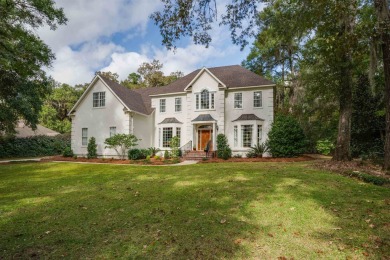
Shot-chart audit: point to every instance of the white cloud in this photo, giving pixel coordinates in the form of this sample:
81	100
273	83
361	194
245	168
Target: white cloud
74	67
125	63
90	20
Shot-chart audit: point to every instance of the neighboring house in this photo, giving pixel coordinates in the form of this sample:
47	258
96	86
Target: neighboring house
25	131
197	107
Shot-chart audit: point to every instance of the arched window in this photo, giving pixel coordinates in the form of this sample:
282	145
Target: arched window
204	99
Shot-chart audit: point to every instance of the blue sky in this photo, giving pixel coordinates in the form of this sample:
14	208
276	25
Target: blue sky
118	36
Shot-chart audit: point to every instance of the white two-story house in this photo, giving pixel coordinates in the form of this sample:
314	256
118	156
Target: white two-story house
197	107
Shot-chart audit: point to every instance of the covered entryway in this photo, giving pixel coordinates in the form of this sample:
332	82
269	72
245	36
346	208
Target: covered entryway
204	131
205	135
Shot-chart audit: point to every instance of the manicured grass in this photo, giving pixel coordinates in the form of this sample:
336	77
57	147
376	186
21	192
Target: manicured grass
226	210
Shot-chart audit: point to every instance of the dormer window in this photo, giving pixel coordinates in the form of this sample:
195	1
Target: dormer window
205	100
99	99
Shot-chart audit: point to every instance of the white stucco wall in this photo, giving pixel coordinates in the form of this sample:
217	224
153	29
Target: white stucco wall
266	112
98	121
143	129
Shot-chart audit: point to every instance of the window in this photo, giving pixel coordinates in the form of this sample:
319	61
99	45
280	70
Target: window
237	100
178	133
159	137
259	133
246	135
177	104
84	136
112	131
99	99
257	99
162	105
205	100
235	136
167	136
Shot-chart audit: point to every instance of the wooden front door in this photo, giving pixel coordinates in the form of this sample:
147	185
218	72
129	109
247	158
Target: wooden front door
203	137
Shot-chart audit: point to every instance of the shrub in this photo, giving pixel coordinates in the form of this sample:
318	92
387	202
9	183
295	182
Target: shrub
33	146
145	153
68	152
166	154
257	150
286	138
147	159
324	147
92	148
237	156
224	150
176	160
174	144
153	151
226	153
157	158
121	143
134	154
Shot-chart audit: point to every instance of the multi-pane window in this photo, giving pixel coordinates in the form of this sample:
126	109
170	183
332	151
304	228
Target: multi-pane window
162	105
237	100
99	99
235	136
246	135
205	100
84	136
257	99
167	136
112	131
177	104
178	133
259	133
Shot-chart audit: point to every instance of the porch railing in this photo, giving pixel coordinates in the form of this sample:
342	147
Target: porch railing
186	148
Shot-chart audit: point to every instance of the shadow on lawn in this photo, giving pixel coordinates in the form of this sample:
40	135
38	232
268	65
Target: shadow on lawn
187	212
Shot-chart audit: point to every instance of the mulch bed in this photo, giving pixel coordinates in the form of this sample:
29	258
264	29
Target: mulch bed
105	160
264	159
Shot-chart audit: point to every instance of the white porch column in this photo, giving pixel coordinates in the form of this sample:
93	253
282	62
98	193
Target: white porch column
214	135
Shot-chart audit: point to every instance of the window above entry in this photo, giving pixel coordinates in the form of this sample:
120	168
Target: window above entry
204	100
99	99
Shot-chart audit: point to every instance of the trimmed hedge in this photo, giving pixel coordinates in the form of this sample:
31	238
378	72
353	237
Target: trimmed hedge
33	146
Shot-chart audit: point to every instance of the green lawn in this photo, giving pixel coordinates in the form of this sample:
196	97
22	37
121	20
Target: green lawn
232	210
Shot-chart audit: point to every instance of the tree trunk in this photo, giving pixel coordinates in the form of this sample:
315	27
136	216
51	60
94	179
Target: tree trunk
342	151
383	15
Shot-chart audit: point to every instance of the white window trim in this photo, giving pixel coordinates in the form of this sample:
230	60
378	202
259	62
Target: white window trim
82	137
198	96
261	99
180	103
165	105
112	127
162	144
99	99
234	100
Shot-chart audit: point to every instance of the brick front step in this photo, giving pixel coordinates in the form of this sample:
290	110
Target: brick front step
198	155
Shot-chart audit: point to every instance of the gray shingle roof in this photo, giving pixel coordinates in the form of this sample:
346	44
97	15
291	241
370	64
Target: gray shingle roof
170	120
139	100
25	131
204	117
244	117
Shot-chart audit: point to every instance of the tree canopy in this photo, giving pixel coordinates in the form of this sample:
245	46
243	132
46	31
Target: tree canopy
23	83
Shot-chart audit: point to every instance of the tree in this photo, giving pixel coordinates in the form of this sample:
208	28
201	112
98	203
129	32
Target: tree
54	114
23	83
109	75
151	74
383	18
286	137
121	143
174	144
92	148
133	81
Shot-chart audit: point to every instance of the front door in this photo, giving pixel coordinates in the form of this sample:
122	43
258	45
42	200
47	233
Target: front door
204	136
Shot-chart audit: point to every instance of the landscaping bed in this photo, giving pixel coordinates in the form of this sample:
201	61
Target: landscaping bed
263	159
152	161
